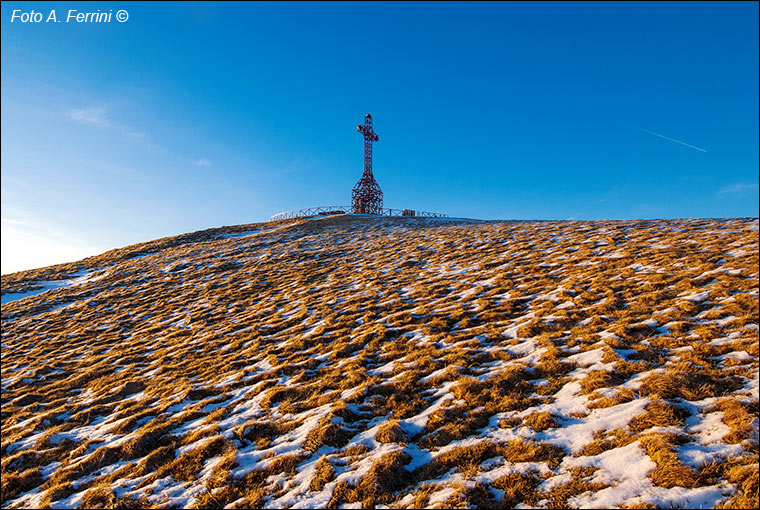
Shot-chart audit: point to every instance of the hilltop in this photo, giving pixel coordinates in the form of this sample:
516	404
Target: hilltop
352	361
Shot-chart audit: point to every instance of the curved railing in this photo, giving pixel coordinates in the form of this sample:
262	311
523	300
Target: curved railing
342	209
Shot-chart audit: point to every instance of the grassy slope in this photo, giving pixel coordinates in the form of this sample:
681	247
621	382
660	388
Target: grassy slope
393	361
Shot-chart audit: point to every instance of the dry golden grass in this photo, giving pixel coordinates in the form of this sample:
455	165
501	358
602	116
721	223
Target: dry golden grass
220	498
477	496
364	323
518	488
607	440
685	381
467	458
386	476
326	433
325	473
659	413
13	484
670	472
540	421
740	418
391	432
622	395
599	379
558	497
220	475
450	423
186	466
461	457
421	496
746	477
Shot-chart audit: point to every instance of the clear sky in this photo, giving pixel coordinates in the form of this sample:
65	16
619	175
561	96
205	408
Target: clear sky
191	116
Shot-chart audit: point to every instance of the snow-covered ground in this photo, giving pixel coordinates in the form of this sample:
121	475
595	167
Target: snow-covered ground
392	362
46	285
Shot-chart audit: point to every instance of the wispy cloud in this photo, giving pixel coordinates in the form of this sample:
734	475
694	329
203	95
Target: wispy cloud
9	221
93	116
739	187
101	117
202	162
661	136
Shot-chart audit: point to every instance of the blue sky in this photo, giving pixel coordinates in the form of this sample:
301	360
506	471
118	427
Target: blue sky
191	116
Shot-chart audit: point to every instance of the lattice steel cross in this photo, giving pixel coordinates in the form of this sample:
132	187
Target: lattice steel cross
367	197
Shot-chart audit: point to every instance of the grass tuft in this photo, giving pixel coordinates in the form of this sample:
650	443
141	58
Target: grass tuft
391	432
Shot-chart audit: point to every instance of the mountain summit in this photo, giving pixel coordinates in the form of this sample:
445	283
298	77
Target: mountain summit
356	361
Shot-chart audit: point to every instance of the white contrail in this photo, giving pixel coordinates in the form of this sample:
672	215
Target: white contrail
661	136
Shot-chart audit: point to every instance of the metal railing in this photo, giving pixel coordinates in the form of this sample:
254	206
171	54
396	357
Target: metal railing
341	209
